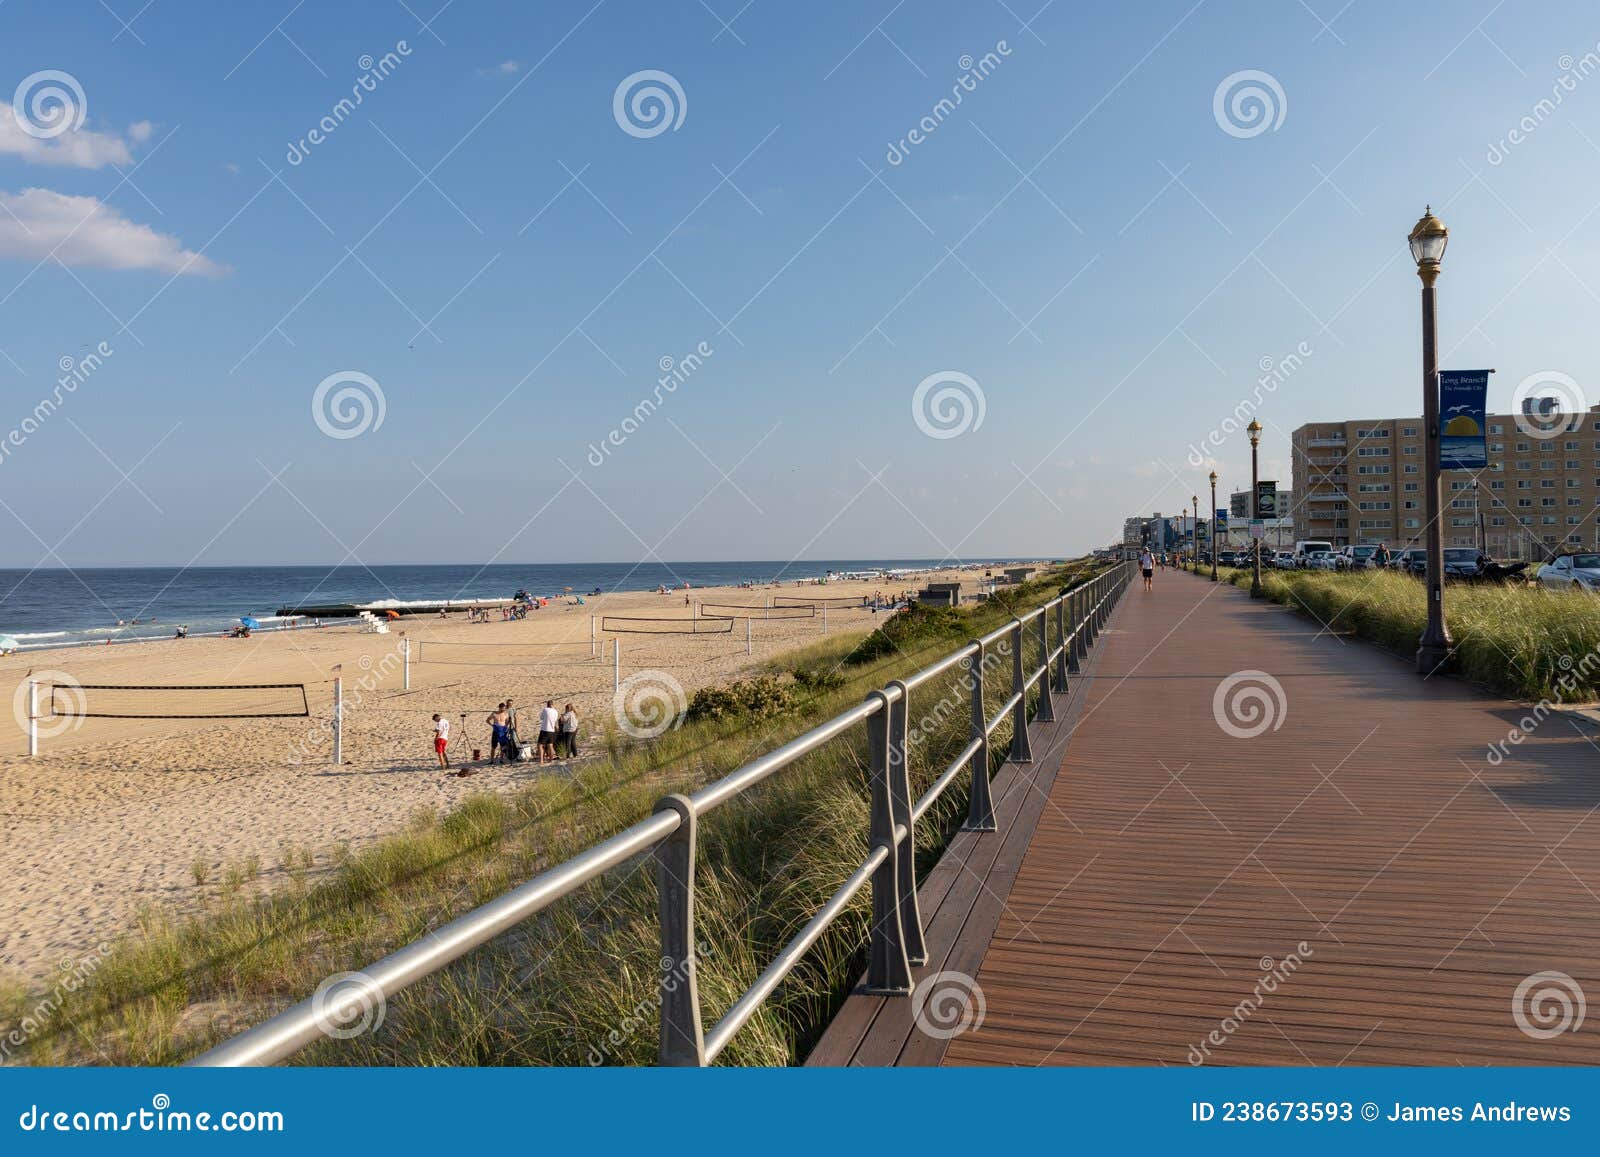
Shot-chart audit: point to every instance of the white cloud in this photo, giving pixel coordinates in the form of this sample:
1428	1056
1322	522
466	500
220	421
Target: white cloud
83	149
38	223
504	68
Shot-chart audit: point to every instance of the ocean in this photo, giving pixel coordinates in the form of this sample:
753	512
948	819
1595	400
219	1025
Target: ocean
48	608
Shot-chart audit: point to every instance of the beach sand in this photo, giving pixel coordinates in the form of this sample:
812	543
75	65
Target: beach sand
112	813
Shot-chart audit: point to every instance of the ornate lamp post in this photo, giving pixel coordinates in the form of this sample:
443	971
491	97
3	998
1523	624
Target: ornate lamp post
1194	536
1254	430
1214	544
1428	239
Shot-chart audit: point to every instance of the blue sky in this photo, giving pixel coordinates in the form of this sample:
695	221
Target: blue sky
1082	238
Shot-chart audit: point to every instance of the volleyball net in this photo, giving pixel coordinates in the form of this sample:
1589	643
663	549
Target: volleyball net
745	611
796	600
501	654
177	701
629	625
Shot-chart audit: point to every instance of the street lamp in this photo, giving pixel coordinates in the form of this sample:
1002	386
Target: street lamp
1213	526
1254	430
1194	536
1428	240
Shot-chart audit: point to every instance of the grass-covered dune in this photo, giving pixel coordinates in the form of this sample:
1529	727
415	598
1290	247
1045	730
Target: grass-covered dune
1522	641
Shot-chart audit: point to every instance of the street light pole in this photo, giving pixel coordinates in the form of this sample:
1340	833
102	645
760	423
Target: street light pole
1213	526
1254	430
1194	536
1428	240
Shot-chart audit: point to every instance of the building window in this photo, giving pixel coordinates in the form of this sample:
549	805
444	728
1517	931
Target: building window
1408	469
1411	431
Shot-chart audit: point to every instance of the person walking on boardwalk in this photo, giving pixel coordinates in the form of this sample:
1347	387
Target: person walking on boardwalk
1147	564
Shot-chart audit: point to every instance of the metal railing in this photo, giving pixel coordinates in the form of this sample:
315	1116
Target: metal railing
670	833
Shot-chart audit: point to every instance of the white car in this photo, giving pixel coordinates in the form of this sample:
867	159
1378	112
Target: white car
1572	572
1319	560
1283	559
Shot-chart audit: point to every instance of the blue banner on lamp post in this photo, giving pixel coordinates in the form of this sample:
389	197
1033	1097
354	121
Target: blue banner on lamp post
1461	419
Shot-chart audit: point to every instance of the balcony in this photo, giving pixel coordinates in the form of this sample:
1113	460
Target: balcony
1339	440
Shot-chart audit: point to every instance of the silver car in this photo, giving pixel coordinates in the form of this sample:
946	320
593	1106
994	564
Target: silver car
1571	572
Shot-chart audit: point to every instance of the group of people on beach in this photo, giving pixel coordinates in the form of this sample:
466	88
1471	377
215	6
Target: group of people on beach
558	734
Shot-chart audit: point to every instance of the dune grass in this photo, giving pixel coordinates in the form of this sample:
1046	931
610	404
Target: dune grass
577	985
1527	642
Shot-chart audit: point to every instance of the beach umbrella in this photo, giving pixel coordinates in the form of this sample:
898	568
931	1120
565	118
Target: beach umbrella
253	624
7	643
393	614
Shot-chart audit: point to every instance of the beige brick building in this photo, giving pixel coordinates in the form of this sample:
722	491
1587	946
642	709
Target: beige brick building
1361	482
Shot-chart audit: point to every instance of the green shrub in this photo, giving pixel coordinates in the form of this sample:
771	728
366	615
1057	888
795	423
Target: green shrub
909	628
763	697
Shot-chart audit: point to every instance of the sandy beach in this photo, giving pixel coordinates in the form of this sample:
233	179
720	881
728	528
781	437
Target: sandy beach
113	813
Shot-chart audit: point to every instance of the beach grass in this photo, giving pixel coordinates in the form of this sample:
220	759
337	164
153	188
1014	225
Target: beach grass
579	984
1526	642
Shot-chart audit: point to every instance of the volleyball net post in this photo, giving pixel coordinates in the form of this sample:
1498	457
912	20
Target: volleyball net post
33	717
594	646
405	661
616	665
338	714
748	635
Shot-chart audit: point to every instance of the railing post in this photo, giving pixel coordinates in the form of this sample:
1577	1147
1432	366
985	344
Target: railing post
980	806
682	1038
888	968
1020	751
900	812
1077	632
1061	642
1047	711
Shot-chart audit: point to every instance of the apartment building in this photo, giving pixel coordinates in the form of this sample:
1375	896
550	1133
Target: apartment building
1361	482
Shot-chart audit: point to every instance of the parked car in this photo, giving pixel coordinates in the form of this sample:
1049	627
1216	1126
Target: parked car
1318	560
1571	572
1412	559
1355	558
1308	545
1228	558
1283	559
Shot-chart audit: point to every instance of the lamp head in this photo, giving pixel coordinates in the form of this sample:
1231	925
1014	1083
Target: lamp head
1428	239
1254	430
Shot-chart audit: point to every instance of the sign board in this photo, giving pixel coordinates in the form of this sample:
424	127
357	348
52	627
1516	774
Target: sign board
1258	530
1267	499
1222	519
1461	419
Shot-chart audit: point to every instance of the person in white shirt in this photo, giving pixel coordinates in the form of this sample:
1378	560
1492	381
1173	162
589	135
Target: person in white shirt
441	737
549	726
1147	564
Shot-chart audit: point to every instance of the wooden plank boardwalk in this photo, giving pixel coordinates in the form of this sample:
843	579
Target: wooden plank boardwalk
1359	883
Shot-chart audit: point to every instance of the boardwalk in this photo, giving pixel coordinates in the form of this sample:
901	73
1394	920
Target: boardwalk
1360	883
